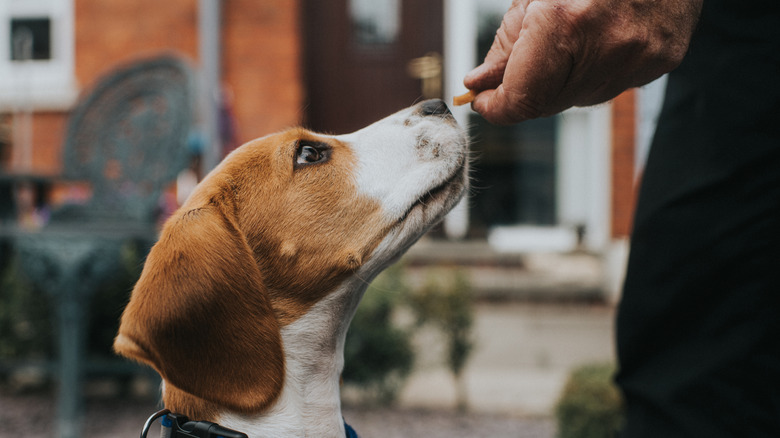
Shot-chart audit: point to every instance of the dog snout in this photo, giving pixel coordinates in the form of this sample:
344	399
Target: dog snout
434	107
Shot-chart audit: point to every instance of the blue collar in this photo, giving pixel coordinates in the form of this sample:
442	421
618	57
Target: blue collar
174	422
350	431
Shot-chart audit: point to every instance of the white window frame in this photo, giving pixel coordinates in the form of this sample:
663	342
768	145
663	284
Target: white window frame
38	84
583	143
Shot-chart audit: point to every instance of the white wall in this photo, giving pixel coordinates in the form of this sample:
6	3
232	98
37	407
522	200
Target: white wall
583	178
41	84
583	145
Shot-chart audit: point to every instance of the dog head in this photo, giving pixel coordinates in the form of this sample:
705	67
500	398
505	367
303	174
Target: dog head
273	230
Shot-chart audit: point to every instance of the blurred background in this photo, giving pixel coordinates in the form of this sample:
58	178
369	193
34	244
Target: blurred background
111	111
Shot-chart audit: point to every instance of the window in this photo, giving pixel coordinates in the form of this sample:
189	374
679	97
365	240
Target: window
36	55
30	39
375	22
541	185
516	164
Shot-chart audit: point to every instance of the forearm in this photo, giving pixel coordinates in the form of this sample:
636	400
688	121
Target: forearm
550	55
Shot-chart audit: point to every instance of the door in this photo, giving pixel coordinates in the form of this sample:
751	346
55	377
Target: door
365	59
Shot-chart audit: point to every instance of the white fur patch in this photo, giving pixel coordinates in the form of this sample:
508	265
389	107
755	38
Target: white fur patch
405	155
416	167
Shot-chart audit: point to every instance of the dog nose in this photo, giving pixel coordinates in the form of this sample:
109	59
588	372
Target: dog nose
434	107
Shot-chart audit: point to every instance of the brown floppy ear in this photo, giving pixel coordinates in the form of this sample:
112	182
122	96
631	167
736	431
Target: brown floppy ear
201	317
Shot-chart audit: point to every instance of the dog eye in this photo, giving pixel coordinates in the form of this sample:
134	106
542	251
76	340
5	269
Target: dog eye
308	153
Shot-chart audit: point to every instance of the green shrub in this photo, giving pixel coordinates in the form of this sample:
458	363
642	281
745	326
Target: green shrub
590	405
378	355
28	315
445	301
26	327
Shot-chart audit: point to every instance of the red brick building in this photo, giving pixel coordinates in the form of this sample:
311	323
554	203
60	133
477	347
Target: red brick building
261	59
332	65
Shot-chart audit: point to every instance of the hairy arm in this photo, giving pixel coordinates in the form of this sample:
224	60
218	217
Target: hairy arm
550	55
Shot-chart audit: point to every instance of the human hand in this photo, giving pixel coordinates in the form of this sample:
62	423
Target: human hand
550	55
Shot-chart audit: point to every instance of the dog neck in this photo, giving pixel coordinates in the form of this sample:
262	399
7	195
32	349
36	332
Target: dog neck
310	402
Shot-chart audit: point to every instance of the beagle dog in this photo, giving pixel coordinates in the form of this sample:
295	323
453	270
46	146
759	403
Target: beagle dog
244	302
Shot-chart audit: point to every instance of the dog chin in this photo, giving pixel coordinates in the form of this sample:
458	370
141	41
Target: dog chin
435	203
421	216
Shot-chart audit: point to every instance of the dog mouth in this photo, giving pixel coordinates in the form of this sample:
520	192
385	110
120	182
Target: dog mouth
443	195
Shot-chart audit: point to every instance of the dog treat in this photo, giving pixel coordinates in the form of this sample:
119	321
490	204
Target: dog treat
464	98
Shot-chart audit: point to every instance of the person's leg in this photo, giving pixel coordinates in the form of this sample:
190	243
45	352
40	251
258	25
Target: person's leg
699	323
698	327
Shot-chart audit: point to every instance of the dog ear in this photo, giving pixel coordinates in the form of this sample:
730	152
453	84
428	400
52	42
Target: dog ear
201	317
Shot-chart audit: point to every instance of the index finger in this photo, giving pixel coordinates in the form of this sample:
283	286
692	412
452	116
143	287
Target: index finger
537	71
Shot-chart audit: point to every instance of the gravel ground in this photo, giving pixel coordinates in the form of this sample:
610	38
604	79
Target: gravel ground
32	416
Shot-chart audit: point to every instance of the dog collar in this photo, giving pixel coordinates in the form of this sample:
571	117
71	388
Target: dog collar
350	431
179	426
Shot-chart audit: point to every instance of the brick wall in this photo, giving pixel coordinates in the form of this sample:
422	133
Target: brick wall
261	65
111	32
260	59
623	147
48	132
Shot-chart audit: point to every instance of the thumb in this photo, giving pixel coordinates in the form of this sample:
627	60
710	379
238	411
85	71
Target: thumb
486	76
491	72
534	75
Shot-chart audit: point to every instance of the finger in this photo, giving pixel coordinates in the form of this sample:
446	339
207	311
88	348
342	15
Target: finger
489	74
502	108
536	72
485	76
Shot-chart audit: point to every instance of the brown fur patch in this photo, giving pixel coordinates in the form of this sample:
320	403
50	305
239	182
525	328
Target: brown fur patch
259	242
309	228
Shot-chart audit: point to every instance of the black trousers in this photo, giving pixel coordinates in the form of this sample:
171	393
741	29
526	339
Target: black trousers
698	327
